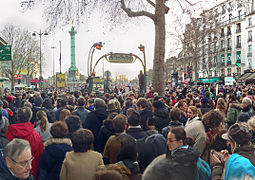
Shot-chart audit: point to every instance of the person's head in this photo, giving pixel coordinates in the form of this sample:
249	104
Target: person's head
238	134
81	101
111	107
27	104
157	105
63	114
176	138
141	104
47	103
128	148
134	119
24	114
193	111
231	97
99	103
213	120
18	158
175	114
82	140
119	123
182	105
129	111
41	116
38	101
246	102
108	175
59	129
164	169
73	122
251	123
221	105
5	104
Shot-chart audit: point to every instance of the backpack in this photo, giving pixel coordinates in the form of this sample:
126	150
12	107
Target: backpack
203	170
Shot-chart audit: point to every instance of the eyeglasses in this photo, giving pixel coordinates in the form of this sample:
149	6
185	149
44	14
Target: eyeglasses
170	140
24	163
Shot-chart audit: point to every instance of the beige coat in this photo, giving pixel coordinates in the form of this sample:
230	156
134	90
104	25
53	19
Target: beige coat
77	166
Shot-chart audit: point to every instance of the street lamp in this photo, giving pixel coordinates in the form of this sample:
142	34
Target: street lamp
53	75
40	35
142	49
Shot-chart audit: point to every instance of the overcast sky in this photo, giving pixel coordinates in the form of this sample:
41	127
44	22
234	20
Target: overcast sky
118	40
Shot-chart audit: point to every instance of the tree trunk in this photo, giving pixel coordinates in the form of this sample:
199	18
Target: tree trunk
159	48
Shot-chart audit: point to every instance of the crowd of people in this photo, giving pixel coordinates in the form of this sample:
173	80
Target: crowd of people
190	133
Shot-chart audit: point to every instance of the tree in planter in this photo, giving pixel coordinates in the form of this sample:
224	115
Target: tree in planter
25	51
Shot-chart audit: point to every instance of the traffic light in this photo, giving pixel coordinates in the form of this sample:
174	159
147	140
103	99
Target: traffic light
141	47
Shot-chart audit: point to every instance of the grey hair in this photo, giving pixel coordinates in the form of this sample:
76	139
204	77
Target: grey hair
15	147
24	114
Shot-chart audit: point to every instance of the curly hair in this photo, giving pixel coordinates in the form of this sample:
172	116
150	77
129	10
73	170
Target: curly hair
221	105
212	119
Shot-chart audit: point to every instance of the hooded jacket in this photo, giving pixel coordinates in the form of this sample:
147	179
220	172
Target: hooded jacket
161	118
53	157
187	160
238	167
233	111
26	131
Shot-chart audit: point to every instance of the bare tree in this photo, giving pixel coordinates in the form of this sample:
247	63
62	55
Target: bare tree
63	11
25	51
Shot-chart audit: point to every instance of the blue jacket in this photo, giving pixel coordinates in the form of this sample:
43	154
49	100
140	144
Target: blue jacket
52	158
238	167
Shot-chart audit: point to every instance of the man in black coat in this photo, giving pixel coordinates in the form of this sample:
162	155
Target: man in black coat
145	113
95	118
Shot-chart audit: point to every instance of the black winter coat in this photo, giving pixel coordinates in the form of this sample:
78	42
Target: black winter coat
161	118
53	157
145	115
94	121
149	148
136	133
105	132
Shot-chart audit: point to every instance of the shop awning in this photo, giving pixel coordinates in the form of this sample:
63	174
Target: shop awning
245	76
252	76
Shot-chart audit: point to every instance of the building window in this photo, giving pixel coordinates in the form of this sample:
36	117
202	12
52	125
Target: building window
238	57
240	14
229	59
249	51
223	9
250	21
229	72
238	70
223	60
222	45
249	64
229	31
222	72
238	27
222	33
249	36
229	18
238	42
229	44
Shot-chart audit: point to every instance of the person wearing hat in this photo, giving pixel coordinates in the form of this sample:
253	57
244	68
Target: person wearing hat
247	107
240	164
239	136
95	118
111	107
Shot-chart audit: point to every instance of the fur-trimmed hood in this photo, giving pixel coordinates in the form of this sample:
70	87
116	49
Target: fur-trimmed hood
51	141
236	105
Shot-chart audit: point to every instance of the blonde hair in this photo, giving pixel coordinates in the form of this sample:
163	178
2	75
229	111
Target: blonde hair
221	105
63	114
196	111
251	123
42	117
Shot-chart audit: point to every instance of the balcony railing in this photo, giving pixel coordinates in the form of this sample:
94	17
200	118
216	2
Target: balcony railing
229	48
249	39
238	30
238	45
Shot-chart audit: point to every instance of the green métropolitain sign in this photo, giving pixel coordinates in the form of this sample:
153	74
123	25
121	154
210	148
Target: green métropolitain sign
120	58
5	53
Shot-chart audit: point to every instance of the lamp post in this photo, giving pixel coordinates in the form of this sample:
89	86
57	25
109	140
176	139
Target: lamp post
98	46
142	49
53	68
40	36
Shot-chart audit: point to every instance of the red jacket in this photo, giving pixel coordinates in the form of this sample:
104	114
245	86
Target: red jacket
26	131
